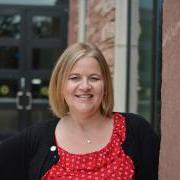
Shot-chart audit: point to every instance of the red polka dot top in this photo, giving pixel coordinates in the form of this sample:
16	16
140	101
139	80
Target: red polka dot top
110	162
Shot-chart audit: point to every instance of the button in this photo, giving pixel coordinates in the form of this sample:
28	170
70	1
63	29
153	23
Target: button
53	148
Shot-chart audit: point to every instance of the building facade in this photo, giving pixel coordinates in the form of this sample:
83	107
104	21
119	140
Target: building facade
129	34
34	33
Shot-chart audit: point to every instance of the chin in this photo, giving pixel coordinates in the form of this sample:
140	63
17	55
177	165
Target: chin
84	110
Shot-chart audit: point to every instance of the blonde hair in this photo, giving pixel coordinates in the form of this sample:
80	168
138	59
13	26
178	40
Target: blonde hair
62	69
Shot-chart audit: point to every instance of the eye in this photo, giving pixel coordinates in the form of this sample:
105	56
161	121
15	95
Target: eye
74	78
94	79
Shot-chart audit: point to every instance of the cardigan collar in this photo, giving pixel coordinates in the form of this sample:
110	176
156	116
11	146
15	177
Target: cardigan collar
51	155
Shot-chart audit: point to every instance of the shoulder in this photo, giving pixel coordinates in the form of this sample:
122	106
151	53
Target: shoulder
140	130
135	119
42	127
137	124
140	136
41	132
30	137
17	152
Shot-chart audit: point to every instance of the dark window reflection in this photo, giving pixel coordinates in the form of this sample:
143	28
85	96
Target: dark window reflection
9	57
140	63
145	59
8	88
39	88
10	26
44	58
8	123
40	115
146	25
45	26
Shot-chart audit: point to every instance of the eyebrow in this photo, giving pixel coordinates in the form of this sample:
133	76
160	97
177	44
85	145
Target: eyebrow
74	74
77	74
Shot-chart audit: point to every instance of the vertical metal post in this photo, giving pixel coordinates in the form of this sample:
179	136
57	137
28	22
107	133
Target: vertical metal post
82	20
120	54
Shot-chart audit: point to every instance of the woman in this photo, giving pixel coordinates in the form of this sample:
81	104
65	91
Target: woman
89	141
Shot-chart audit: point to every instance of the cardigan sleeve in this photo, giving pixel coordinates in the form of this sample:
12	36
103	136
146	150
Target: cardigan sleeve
22	156
142	145
15	154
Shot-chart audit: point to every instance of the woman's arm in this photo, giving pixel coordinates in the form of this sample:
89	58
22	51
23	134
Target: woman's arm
15	154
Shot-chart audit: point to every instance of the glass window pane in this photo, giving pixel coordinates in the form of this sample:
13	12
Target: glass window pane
44	58
146	34
146	4
46	26
9	121
40	115
145	82
8	88
140	86
10	26
39	88
9	57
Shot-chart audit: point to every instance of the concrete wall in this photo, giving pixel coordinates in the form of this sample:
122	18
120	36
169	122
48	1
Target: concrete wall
169	167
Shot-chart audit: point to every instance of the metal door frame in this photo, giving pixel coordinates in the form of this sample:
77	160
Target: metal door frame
26	43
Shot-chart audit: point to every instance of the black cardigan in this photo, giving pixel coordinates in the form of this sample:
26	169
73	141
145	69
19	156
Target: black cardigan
28	155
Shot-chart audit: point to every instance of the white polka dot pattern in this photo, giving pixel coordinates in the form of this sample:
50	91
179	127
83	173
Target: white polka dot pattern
108	163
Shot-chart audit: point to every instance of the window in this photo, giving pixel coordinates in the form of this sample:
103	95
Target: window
144	67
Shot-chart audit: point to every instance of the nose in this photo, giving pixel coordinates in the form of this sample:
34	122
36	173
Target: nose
85	85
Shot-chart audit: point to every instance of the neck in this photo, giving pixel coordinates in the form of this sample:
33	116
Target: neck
85	122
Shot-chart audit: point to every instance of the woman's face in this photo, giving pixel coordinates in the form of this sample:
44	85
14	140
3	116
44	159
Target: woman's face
84	89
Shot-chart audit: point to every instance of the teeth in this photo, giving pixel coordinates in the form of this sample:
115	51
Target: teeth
84	96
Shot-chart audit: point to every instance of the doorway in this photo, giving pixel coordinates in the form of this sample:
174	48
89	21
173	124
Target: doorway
31	39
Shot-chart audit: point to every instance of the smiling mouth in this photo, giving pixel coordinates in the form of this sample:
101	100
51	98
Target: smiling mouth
84	96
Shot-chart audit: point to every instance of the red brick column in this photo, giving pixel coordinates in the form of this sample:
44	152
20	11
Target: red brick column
169	167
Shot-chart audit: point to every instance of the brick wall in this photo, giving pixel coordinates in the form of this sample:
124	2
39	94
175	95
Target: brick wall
73	21
100	25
